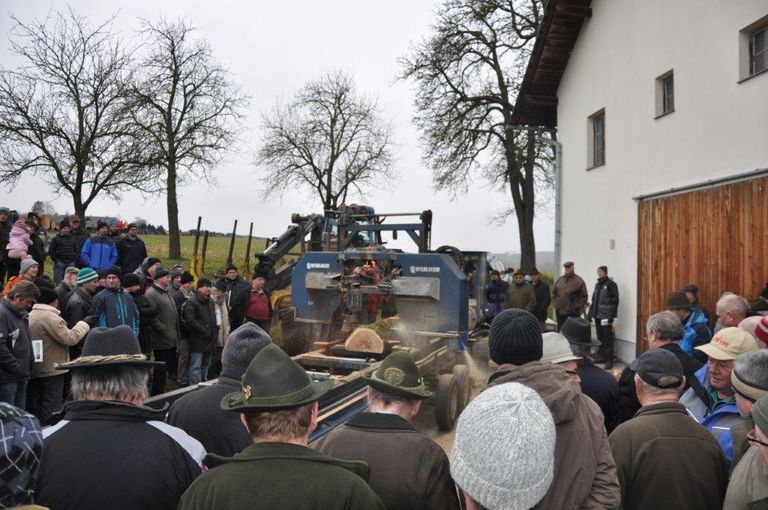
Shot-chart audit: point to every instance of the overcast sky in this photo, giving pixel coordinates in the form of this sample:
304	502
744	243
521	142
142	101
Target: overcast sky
272	49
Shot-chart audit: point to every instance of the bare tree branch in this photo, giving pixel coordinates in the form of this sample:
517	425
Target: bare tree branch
468	72
328	139
188	107
64	114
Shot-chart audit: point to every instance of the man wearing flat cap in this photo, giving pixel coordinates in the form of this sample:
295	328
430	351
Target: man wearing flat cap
749	482
408	470
663	458
569	295
277	403
710	399
109	450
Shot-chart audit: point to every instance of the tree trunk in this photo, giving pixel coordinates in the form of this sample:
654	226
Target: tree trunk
174	242
80	208
525	217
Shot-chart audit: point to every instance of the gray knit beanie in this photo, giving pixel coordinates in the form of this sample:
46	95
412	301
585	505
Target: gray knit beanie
26	264
504	451
242	345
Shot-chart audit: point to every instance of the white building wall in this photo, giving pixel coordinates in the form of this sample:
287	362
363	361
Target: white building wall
719	127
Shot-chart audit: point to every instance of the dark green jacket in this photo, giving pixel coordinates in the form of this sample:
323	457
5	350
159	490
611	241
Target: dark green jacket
281	475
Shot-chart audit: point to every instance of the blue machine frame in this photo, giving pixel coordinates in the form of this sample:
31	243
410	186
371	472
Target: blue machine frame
431	292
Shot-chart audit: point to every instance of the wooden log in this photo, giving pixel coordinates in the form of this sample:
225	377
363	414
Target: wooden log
364	340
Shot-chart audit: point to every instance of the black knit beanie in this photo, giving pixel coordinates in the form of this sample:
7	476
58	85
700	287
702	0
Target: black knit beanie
515	338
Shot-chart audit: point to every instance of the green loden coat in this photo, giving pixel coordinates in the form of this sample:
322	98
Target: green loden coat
281	475
521	296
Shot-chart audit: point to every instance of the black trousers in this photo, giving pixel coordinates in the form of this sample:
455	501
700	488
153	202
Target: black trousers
45	396
605	335
160	373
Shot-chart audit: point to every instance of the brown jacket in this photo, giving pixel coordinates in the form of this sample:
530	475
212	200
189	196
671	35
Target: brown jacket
408	470
569	295
46	324
667	460
585	474
521	296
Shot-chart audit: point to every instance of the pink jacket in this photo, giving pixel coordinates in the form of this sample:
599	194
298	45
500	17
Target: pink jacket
19	237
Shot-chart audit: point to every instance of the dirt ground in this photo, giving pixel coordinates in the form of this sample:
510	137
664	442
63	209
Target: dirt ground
477	361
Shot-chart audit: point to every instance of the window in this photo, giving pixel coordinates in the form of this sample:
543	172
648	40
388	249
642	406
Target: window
753	49
759	50
665	94
596	139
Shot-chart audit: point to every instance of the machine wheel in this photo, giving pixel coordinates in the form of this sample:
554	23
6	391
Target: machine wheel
454	252
463	381
446	402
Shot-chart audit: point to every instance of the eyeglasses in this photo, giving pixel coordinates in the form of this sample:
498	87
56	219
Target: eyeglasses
753	439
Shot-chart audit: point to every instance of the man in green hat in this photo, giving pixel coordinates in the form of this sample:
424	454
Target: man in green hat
408	470
278	405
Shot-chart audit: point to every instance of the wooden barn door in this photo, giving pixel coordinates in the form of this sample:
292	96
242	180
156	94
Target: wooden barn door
716	238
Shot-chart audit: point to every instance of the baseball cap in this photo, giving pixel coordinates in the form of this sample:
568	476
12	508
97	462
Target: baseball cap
728	343
656	364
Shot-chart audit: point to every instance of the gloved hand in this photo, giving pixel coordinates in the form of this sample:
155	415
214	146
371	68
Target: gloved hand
92	321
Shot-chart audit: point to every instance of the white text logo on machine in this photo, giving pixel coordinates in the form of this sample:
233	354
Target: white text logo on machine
317	265
424	269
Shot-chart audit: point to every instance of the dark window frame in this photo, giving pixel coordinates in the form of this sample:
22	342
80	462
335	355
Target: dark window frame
763	53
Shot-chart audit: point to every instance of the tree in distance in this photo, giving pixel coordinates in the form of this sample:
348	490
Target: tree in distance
328	139
187	106
64	114
467	73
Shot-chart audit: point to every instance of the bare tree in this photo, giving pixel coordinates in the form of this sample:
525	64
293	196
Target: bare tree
63	114
188	106
468	73
328	139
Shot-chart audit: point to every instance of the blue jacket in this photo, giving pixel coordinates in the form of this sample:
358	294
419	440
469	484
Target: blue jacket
696	332
720	422
115	308
99	253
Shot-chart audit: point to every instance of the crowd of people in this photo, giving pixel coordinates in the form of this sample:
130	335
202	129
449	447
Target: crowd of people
107	280
684	426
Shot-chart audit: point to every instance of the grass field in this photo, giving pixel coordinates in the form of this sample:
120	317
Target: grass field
216	253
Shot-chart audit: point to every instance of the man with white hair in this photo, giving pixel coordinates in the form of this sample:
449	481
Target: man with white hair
731	309
663	458
504	449
110	451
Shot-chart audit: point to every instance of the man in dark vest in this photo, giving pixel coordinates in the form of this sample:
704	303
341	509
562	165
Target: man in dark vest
604	308
277	403
408	470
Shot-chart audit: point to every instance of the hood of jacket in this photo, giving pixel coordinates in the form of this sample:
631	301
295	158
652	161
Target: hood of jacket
558	390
